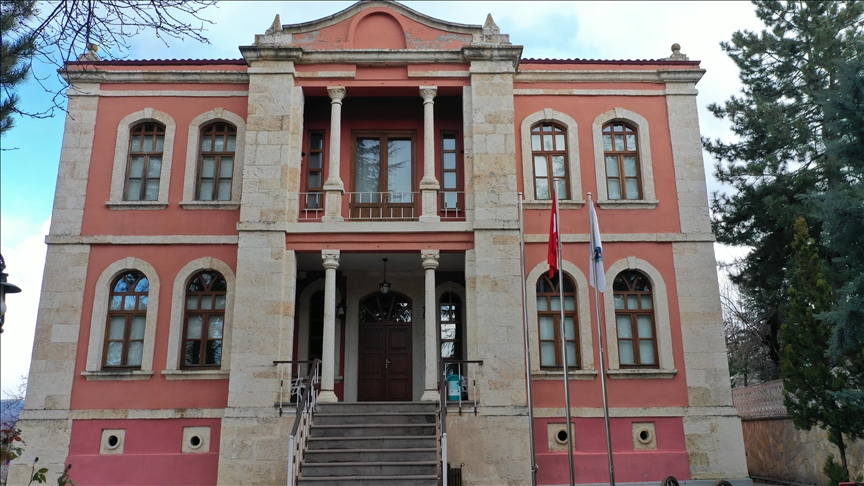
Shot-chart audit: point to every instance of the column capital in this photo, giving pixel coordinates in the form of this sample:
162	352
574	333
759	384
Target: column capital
330	259
428	93
430	259
336	93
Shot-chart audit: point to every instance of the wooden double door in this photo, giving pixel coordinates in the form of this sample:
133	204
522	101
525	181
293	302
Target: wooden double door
385	372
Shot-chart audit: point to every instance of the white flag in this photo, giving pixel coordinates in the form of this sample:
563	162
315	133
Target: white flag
596	268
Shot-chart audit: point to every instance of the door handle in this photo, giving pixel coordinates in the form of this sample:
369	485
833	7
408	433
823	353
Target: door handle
386	363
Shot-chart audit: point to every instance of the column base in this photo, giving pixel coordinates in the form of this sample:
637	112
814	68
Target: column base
332	219
429	396
327	396
430	219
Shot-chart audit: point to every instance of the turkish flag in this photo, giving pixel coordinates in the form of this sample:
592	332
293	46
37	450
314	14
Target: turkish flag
553	239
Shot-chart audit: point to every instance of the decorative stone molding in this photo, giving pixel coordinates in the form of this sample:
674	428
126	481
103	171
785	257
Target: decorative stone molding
173	369
190	179
662	322
646	168
676	53
98	322
121	157
430	259
583	312
573	166
491	35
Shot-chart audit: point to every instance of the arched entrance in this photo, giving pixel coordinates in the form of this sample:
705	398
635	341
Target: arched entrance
384	372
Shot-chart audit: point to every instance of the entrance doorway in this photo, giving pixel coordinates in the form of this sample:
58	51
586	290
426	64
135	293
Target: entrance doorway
384	372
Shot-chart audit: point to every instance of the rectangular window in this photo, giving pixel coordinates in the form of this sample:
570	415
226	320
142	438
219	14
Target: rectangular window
315	171
451	200
383	176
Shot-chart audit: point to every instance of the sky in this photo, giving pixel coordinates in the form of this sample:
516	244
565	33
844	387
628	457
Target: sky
596	30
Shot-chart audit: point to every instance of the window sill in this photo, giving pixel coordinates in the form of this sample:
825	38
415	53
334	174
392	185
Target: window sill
627	204
557	375
547	204
121	205
196	374
637	374
122	375
210	205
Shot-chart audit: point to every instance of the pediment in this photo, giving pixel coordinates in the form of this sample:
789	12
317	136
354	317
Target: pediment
377	24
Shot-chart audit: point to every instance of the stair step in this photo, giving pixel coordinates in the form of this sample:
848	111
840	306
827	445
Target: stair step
364	430
372	407
374	455
412	480
329	469
371	442
339	418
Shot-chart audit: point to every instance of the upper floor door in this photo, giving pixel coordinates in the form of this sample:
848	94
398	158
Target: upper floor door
383	181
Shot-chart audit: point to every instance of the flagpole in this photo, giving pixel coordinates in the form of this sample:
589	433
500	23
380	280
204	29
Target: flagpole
563	334
602	348
534	466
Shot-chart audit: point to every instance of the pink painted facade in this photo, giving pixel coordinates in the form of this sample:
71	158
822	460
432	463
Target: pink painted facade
373	65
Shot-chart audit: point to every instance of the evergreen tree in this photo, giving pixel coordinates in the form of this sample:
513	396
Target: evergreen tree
780	155
15	52
811	375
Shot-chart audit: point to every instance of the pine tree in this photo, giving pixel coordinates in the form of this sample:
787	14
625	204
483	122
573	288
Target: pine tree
788	70
812	376
15	52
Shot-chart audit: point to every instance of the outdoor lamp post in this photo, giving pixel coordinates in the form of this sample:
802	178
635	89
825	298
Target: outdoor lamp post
5	288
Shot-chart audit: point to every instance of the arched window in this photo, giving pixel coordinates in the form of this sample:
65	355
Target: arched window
634	319
127	319
216	162
204	320
549	321
549	153
450	312
621	153
144	167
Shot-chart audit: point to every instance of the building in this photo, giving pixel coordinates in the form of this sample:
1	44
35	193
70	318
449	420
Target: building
215	216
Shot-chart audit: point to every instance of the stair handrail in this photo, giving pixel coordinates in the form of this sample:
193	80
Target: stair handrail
442	388
307	401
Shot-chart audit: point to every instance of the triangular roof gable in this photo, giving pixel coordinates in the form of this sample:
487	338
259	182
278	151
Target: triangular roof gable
373	24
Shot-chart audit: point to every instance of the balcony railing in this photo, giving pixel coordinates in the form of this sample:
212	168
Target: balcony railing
451	205
311	206
382	205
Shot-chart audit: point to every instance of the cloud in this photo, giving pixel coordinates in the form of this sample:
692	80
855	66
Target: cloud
25	262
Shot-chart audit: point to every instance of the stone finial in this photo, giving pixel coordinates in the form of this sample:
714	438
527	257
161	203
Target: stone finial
491	35
90	55
275	27
490	27
676	53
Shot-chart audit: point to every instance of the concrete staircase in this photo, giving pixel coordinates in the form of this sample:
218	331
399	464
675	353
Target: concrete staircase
372	443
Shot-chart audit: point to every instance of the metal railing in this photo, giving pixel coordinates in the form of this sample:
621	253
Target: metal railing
307	397
446	368
382	205
451	204
311	206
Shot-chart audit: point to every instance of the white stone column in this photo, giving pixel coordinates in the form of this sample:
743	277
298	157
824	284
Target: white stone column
430	263
333	187
429	184
328	358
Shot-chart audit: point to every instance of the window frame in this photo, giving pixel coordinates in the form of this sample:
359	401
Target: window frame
459	335
574	171
122	145
173	364
205	327
556	318
633	315
93	369
218	176
459	172
384	136
648	198
193	144
662	323
619	155
308	171
128	316
584	324
141	129
549	155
